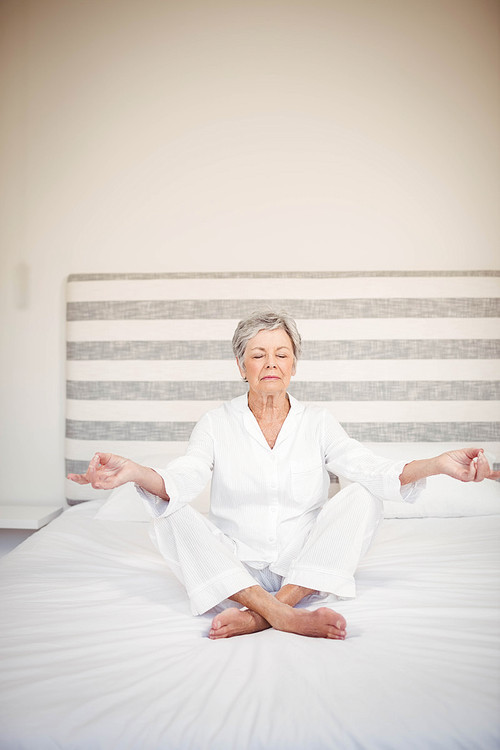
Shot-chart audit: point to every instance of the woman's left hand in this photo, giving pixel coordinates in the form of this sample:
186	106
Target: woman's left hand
467	465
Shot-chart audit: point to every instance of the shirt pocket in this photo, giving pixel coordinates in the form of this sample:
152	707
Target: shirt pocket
308	482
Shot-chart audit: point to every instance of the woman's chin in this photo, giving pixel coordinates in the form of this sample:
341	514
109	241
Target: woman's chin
271	386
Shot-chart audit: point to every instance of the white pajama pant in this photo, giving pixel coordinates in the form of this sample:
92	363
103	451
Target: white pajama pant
203	558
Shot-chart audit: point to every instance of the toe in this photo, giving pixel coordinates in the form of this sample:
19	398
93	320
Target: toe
336	634
341	623
222	632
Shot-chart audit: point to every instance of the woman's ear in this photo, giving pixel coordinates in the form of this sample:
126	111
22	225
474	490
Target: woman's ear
241	369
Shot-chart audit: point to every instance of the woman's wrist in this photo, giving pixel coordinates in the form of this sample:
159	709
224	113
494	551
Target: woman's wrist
420	469
150	480
134	472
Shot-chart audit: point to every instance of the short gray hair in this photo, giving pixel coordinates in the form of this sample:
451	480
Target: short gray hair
265	320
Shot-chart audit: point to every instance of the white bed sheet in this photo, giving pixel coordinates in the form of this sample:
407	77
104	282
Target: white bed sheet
99	650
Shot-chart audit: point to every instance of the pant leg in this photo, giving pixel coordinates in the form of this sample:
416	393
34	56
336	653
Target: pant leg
339	538
201	557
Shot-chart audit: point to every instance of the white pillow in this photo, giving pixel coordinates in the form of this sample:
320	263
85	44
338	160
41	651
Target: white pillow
443	497
125	503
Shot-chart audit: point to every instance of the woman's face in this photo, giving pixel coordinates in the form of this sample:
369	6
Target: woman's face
268	363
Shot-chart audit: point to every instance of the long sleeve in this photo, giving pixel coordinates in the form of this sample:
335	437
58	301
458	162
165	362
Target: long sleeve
351	460
185	477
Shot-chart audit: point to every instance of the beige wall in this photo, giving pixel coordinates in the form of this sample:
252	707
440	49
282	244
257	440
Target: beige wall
228	135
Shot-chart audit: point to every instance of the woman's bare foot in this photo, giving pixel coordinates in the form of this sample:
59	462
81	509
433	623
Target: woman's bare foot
233	621
320	623
263	610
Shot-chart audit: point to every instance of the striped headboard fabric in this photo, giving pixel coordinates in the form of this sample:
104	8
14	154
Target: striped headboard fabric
409	357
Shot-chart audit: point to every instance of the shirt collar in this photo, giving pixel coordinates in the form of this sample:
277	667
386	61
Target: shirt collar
240	404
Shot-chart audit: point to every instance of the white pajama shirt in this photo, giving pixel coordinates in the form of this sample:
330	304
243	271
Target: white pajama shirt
265	503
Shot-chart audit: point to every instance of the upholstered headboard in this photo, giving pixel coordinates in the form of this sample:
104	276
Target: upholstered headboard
404	357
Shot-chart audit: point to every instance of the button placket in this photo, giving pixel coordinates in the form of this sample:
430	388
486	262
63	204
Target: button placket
273	507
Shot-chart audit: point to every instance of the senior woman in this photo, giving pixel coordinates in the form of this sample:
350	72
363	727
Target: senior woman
272	537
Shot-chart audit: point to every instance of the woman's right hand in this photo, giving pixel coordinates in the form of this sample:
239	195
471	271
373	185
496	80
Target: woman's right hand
107	471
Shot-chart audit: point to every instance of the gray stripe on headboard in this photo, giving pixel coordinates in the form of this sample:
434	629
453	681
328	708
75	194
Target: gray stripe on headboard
80	350
111	430
466	307
275	275
388	390
364	431
314	350
99	390
72	466
435	432
415	390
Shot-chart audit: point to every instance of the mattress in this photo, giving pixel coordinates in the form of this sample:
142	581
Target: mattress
99	650
98	647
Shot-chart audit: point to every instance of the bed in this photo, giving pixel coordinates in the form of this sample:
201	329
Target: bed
99	650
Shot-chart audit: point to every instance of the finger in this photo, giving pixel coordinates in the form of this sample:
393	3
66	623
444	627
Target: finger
106	482
482	467
78	478
103	458
94	465
471	452
471	471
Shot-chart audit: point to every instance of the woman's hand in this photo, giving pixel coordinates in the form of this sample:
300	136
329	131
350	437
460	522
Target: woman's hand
107	471
467	465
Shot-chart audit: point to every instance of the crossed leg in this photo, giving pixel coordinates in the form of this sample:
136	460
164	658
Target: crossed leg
342	533
204	561
265	610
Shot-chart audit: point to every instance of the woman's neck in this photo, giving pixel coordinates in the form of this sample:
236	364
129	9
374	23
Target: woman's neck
269	408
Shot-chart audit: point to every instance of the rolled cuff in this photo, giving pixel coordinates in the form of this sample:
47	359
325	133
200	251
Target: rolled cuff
203	598
411	492
340	583
156	506
394	490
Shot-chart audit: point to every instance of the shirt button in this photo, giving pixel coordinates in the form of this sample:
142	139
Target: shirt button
272	539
